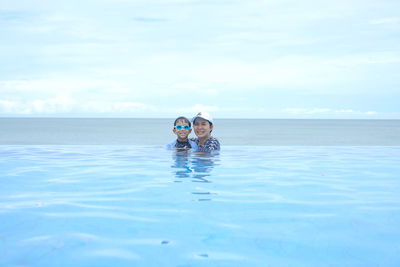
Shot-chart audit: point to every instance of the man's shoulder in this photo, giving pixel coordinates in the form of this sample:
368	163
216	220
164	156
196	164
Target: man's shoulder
213	140
212	144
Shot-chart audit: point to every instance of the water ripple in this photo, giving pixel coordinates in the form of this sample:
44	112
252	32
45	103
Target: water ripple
247	206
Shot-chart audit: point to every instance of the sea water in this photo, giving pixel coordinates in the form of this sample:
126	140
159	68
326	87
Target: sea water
236	132
245	206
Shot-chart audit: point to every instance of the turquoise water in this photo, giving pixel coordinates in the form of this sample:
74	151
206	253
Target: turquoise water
247	206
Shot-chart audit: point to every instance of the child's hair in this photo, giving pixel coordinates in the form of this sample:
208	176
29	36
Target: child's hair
183	119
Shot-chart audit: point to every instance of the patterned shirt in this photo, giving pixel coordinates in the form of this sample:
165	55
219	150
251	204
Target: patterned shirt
212	144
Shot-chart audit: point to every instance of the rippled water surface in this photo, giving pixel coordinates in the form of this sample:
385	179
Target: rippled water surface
247	206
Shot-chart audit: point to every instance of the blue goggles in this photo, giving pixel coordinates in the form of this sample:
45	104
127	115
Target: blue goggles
180	127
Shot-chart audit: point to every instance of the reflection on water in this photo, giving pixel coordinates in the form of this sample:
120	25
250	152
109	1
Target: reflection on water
202	165
195	165
181	164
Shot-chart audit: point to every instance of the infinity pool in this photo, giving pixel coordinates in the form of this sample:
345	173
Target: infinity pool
246	206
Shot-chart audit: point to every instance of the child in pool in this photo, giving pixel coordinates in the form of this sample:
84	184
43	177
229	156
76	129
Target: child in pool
182	129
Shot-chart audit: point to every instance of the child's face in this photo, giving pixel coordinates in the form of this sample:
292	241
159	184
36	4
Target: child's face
182	133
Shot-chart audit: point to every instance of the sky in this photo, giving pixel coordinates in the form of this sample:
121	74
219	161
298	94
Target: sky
233	58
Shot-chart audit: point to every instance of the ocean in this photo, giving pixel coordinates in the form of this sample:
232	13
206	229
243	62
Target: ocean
230	132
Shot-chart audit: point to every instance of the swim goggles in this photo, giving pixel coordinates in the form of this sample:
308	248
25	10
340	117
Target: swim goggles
180	127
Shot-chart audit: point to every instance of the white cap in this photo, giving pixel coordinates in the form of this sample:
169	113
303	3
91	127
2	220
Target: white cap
203	115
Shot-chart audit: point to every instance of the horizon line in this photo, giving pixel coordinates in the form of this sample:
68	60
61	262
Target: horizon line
218	118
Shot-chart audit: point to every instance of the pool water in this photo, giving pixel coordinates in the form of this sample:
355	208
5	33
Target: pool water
246	206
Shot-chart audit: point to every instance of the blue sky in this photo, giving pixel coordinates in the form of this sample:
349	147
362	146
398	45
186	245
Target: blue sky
235	59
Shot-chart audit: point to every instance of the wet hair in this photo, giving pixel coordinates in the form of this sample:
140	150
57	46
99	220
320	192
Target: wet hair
182	119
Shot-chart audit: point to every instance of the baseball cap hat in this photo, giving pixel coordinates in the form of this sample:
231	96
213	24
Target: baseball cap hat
203	115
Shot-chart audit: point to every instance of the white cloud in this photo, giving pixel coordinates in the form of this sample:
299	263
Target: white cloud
196	108
86	88
328	111
7	106
270	40
187	85
385	21
73	84
59	104
292	71
62	105
354	60
116	107
200	88
53	105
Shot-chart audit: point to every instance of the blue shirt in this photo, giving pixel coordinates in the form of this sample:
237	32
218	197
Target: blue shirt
179	145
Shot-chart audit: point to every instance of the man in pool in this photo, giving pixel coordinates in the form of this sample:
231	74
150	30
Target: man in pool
203	126
182	129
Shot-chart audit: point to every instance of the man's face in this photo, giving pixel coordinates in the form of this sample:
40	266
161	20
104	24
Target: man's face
202	127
